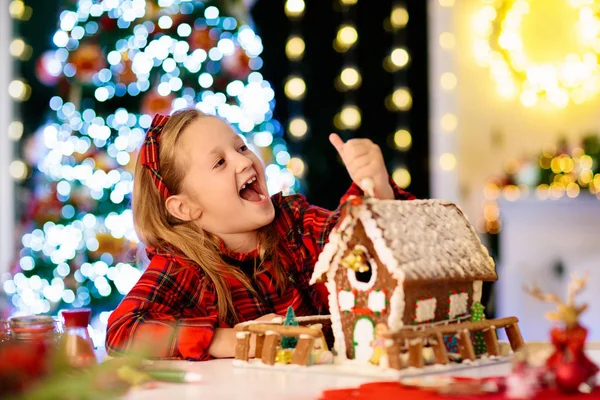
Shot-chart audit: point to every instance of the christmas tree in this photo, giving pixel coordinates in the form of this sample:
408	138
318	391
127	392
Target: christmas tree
478	340
115	64
290	320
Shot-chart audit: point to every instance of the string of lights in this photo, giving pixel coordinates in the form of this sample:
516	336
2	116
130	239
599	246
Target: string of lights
349	79
18	89
400	100
295	86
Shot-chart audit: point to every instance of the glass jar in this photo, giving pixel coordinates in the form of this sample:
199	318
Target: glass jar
76	342
34	328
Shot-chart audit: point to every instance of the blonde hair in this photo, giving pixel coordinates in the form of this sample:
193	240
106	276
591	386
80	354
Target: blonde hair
157	228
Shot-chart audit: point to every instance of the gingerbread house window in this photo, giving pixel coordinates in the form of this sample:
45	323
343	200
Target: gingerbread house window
362	269
457	304
346	300
425	310
377	301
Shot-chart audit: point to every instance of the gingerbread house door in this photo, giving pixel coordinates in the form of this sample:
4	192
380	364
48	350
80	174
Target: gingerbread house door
362	338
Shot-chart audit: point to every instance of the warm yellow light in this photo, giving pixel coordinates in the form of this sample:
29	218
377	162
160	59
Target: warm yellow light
446	3
350	77
447	41
399	17
499	44
294	49
298	127
447	161
402	99
511	192
18	170
15	130
297	166
448	81
295	88
19	90
491	191
399	57
586	162
347	36
585	177
16	9
401	177
348	2
403	139
294	8
555	165
573	190
557	190
449	122
17	47
566	164
543	191
493	227
350	117
491	212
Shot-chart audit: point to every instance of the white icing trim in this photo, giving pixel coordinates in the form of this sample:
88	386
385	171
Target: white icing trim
396	310
376	301
477	285
241	335
305	336
272	333
346	300
339	343
458	304
355	283
425	310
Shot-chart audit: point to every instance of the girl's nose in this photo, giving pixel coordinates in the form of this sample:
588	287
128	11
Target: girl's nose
242	163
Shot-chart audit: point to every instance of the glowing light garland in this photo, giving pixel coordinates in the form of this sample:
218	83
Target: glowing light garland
499	45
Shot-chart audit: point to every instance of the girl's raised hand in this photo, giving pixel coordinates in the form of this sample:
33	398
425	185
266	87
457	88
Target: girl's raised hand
363	160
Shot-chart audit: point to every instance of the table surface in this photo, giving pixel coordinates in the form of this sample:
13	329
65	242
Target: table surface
222	380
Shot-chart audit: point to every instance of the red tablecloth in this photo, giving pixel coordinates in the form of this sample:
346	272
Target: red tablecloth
393	390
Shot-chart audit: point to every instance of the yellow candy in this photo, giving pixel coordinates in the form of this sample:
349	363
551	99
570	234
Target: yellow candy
284	356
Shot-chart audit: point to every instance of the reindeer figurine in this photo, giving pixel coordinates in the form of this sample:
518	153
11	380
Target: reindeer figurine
568	363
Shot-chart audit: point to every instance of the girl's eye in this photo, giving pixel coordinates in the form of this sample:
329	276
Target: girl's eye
243	148
220	162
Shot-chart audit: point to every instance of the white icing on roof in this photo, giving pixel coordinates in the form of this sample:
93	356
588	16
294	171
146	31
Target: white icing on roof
428	239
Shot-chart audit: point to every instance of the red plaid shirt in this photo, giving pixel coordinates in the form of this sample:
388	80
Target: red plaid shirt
179	311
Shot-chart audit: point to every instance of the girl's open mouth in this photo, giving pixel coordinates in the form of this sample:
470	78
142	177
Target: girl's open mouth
251	191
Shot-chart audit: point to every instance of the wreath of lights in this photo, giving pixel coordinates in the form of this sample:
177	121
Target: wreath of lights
499	45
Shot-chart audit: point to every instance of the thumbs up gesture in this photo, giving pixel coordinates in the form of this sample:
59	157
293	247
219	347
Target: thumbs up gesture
364	161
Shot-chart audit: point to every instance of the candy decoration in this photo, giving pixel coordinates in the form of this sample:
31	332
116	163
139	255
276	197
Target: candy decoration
478	339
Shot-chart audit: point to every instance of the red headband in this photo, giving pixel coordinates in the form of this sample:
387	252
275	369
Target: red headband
149	153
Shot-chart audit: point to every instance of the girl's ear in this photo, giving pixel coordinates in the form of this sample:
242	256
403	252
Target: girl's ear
182	208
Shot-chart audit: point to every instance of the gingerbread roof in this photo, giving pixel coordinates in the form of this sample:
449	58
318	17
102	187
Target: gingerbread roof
417	240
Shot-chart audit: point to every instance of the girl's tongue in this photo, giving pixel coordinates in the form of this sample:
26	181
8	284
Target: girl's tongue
252	193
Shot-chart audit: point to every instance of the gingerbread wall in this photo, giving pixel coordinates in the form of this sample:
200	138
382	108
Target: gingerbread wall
414	291
384	281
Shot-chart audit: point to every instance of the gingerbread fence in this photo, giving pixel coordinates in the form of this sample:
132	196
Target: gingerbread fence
413	340
268	338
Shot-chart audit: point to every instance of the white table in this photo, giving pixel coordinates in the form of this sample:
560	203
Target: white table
221	380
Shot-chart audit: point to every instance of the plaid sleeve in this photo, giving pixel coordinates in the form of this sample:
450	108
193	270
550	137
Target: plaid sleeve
172	315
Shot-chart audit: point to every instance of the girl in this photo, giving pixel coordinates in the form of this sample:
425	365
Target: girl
221	251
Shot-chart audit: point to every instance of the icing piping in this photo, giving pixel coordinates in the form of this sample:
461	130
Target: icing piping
477	285
425	310
458	304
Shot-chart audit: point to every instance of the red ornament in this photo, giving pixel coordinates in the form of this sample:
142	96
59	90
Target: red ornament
107	24
88	59
237	65
201	39
569	377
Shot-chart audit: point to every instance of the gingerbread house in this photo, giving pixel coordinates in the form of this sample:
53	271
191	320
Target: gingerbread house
398	264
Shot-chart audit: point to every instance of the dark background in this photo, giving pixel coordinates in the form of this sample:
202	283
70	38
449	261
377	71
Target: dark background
326	179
